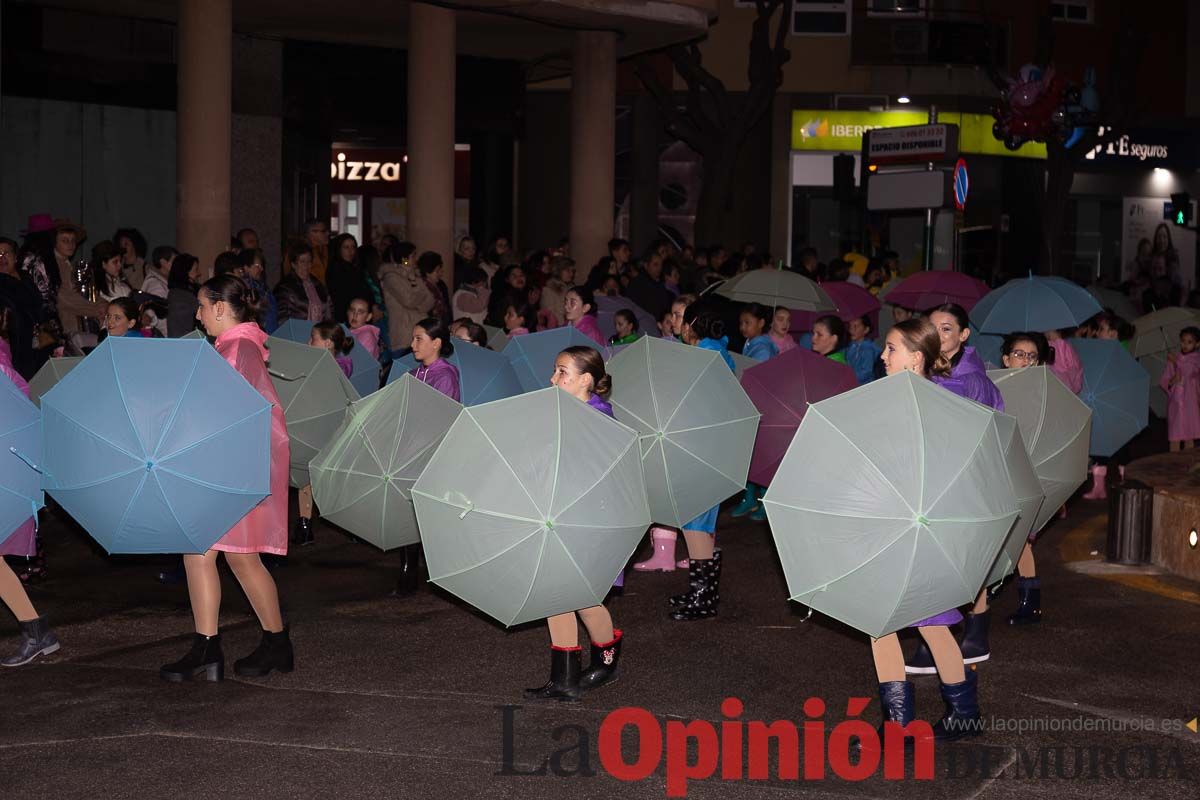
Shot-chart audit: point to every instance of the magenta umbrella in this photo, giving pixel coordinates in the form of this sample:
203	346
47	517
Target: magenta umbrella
607	307
923	290
781	389
852	302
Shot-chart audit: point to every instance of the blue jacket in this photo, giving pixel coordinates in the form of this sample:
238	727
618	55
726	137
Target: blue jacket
760	348
270	320
719	346
863	357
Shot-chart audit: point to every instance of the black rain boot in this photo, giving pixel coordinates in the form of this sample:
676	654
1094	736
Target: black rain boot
36	640
962	711
173	576
565	666
694	574
302	534
410	570
602	668
921	661
1029	595
974	644
204	661
897	700
274	651
705	598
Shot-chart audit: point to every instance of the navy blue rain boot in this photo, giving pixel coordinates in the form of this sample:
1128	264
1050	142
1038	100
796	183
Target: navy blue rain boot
1029	609
962	711
974	644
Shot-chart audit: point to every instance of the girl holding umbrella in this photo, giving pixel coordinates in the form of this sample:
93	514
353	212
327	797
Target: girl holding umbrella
229	310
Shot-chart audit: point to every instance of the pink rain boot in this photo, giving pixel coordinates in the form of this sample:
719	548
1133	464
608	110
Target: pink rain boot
663	559
1098	491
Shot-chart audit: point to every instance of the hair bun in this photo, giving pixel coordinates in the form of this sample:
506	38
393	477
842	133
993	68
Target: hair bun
603	386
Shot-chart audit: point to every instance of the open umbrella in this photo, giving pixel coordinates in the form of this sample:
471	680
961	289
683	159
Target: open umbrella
930	288
884	519
362	480
1029	493
531	506
156	445
1118	302
607	307
1158	331
988	346
497	339
1154	364
53	371
20	458
781	389
852	302
483	375
695	423
742	363
533	354
1117	389
1034	304
314	393
364	376
777	287
1056	427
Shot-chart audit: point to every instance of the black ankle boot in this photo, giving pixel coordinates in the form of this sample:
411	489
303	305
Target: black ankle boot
962	711
302	535
410	570
274	651
565	666
921	661
204	661
974	644
1029	597
705	579
602	668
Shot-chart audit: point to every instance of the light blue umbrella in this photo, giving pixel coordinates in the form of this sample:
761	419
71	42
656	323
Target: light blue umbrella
365	376
20	454
483	375
1117	389
533	354
1034	304
156	445
987	346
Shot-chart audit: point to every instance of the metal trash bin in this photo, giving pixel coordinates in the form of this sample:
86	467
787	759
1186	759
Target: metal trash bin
1130	522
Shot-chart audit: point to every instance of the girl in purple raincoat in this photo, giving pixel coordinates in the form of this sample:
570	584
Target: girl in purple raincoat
1181	381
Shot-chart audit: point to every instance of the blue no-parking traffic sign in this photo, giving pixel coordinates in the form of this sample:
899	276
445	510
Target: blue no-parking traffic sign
961	184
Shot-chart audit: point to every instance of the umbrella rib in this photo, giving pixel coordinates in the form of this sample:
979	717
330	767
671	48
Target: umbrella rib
208	485
495	555
667	476
702	461
166	428
826	584
720	424
866	458
350	503
807	510
507	464
781	402
683	397
99	481
94	435
480	511
401	424
214	434
557	457
607	471
658	423
129	507
1067	443
121	393
175	516
645	424
958	475
912	388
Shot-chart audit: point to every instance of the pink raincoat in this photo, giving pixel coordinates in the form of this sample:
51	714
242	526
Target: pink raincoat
588	326
22	540
368	337
1183	399
784	343
265	528
1067	366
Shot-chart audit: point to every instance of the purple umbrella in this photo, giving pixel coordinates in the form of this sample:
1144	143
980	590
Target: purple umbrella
607	307
781	389
923	290
852	302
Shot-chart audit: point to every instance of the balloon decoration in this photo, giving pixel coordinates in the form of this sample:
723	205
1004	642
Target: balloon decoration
1039	105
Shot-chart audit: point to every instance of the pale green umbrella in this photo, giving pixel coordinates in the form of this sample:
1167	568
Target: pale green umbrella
1030	497
362	480
742	363
696	425
497	338
1154	364
1158	331
53	371
531	506
777	287
314	393
1056	427
891	504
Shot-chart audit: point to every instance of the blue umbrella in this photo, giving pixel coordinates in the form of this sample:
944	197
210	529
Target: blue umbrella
1117	389
987	346
365	377
20	451
156	445
483	375
1034	304
533	354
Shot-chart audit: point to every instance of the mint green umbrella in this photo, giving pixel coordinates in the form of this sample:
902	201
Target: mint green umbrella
777	287
695	422
531	506
362	480
1158	331
1030	497
891	503
53	371
1154	364
314	393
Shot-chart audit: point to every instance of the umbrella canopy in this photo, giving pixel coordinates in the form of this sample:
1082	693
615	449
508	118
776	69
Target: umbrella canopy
1030	497
607	307
1158	331
1154	364
483	375
931	288
885	519
1117	389
988	346
1034	304
53	371
777	287
782	389
198	334
852	302
364	376
533	355
1118	302
497	338
696	425
363	479
20	457
1056	427
156	445
314	393
531	506
742	363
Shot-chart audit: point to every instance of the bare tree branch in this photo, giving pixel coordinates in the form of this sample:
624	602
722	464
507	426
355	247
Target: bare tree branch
678	125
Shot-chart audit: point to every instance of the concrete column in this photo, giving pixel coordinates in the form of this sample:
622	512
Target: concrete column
430	179
593	144
204	122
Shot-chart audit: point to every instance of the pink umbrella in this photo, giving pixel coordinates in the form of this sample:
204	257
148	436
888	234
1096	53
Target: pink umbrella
931	288
607	306
852	302
781	388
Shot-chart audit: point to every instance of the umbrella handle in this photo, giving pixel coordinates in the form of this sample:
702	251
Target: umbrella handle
470	507
28	463
284	377
808	615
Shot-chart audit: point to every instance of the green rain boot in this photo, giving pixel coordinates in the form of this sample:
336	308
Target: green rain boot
748	503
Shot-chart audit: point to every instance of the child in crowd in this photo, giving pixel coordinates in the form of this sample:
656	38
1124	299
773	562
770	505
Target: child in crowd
471	299
666	325
829	338
358	319
862	354
781	324
520	319
122	318
469	331
627	327
330	336
1181	381
752	323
